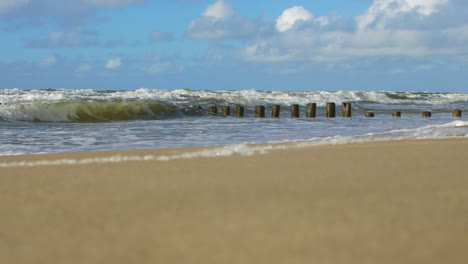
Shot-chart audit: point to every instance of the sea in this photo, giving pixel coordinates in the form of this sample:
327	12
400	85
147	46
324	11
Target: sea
63	120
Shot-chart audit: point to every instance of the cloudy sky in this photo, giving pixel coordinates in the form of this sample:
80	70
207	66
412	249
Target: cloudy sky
400	45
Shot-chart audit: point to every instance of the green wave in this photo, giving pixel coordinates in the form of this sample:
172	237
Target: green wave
92	111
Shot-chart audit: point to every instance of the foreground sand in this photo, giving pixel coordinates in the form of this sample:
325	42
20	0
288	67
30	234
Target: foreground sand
386	202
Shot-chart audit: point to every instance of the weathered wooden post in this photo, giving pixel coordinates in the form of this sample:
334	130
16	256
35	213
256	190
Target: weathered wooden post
396	114
259	111
226	111
370	115
346	109
213	110
426	114
331	110
240	111
311	110
295	111
457	113
275	111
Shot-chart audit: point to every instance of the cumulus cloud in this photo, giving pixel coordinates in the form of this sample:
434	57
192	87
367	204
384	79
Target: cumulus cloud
220	21
389	28
383	11
114	63
291	16
219	10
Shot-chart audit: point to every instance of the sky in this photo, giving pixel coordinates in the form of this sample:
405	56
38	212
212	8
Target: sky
290	45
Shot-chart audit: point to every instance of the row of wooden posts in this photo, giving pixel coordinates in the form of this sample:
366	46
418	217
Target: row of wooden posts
311	111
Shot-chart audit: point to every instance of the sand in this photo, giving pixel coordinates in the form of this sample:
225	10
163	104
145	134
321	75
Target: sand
377	202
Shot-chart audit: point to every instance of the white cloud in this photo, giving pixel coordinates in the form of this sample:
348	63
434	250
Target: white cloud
218	10
383	11
114	63
291	16
7	6
310	45
389	28
264	51
220	21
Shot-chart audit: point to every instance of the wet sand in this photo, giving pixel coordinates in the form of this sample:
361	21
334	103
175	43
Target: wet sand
376	202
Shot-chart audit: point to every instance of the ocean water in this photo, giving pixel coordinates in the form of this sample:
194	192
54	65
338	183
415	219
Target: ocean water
57	120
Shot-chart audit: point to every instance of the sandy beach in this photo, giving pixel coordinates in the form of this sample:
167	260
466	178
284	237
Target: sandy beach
375	202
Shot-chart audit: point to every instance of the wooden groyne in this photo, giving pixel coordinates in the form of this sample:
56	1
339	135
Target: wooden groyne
346	109
311	111
226	111
275	111
426	114
295	111
240	111
259	111
330	110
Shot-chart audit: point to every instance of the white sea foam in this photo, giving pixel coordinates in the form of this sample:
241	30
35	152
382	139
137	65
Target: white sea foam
461	124
245	97
241	149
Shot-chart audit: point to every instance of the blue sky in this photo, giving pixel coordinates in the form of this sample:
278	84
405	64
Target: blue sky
399	45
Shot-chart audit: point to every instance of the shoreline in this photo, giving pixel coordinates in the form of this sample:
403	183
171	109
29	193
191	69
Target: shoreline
403	201
166	154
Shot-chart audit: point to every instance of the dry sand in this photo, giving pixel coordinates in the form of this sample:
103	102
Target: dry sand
379	202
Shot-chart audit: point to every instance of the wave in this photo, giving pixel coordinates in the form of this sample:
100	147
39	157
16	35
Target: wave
91	111
87	105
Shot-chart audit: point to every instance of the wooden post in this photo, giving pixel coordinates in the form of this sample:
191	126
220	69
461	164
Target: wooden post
426	114
346	109
370	114
295	111
311	110
213	110
331	110
240	111
396	114
457	113
226	111
275	111
259	111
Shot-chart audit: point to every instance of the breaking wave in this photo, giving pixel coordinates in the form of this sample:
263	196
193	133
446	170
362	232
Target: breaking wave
59	105
89	111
